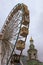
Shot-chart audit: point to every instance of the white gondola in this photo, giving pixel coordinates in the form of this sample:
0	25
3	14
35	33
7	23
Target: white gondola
26	9
20	45
24	32
25	21
1	36
15	59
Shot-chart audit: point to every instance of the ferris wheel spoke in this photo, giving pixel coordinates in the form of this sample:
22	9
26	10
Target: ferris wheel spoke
13	27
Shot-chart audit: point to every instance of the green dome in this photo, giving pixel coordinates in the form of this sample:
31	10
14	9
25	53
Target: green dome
31	46
33	62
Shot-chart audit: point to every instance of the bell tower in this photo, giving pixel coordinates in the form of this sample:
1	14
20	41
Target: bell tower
32	52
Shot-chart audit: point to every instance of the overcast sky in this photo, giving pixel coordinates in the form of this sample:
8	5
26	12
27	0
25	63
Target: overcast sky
36	21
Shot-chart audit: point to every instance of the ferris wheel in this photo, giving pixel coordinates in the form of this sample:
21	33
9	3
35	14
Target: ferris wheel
15	31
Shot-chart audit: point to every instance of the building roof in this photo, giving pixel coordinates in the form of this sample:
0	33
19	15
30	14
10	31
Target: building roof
30	62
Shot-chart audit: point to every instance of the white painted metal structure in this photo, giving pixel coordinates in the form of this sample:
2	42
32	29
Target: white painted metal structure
11	32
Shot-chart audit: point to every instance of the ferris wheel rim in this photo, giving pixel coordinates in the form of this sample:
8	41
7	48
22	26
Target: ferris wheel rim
7	20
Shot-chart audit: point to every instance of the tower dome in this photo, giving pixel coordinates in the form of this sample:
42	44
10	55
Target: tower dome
31	39
31	43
